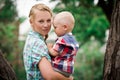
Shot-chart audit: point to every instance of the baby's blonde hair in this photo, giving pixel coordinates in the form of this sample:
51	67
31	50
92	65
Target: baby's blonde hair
66	17
40	7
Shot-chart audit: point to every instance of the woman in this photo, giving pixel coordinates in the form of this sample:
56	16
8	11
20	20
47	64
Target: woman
36	58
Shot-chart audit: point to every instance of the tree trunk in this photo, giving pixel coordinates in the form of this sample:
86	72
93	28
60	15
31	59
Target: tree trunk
6	71
112	55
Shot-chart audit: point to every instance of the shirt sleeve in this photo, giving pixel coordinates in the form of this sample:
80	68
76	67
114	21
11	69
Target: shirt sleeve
62	45
39	50
58	47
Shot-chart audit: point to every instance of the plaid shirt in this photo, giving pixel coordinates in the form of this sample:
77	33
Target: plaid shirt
35	48
67	48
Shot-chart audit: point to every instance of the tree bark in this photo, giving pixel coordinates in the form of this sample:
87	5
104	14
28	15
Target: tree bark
111	69
6	71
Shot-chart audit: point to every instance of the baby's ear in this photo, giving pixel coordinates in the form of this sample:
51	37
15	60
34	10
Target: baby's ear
65	27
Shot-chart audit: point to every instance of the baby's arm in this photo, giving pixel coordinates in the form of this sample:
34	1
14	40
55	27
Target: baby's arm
51	50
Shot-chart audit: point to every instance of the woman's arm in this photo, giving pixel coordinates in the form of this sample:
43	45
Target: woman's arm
48	73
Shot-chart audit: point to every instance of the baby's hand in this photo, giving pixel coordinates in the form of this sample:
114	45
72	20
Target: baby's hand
49	45
71	78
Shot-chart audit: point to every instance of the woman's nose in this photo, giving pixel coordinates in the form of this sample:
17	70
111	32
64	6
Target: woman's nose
45	24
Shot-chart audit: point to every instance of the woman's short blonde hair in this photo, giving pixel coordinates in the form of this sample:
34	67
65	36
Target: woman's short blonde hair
40	7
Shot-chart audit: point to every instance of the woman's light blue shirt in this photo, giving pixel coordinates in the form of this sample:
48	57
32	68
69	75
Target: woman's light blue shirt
34	49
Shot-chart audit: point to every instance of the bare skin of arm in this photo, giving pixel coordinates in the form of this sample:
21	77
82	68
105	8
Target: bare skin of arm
48	73
51	50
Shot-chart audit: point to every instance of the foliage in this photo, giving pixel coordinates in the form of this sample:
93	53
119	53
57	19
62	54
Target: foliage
20	73
89	62
22	19
16	60
9	25
90	23
7	11
7	35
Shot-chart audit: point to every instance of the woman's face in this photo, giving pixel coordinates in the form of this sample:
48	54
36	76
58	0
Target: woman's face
41	22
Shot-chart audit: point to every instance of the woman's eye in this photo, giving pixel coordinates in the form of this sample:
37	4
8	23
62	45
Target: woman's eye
48	21
54	27
41	21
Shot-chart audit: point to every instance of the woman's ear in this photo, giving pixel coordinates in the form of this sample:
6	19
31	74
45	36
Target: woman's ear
30	20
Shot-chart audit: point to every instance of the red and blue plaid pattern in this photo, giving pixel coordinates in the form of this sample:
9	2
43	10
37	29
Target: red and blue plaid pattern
67	48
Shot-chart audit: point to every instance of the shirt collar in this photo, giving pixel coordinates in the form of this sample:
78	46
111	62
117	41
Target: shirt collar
36	34
70	33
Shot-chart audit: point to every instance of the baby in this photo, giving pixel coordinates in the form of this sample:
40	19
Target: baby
64	50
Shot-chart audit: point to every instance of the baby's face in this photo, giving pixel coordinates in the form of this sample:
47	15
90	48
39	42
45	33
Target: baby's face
59	28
